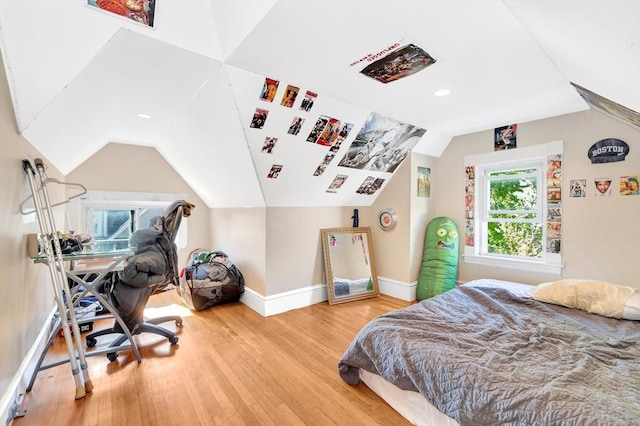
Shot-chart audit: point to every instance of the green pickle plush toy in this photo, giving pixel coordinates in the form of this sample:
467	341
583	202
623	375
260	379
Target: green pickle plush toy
439	268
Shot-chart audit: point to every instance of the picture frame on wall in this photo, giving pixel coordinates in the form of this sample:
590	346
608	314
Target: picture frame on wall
424	181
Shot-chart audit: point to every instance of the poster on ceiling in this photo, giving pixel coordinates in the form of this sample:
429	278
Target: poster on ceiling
296	125
344	133
381	144
607	106
330	133
318	128
269	144
259	118
397	60
328	158
289	96
141	11
337	183
307	101
275	171
269	89
370	185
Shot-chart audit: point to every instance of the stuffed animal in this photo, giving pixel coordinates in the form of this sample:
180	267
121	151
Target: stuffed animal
439	268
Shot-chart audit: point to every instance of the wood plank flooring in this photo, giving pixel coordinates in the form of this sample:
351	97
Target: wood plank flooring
230	367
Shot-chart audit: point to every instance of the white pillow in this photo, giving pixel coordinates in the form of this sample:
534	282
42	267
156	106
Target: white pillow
632	307
597	297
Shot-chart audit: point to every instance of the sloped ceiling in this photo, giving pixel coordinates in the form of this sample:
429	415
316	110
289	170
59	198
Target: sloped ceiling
79	76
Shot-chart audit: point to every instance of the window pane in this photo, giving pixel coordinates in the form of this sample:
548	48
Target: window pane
515	239
512	172
112	229
146	216
513	194
111	224
513	216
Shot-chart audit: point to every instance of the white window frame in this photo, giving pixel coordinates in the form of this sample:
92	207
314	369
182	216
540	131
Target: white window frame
533	156
80	211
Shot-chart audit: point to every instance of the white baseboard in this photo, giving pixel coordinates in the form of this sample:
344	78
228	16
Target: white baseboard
282	302
307	296
10	402
398	289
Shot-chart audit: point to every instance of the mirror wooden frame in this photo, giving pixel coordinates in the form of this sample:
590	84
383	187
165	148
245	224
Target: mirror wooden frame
329	241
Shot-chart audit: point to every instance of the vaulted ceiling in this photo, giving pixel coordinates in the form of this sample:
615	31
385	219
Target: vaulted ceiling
79	76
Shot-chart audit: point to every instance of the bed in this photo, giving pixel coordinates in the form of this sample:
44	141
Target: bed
489	353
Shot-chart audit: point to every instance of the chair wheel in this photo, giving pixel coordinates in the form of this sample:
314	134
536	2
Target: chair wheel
112	356
179	323
173	340
91	342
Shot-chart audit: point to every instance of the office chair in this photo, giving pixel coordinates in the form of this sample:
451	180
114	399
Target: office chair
151	269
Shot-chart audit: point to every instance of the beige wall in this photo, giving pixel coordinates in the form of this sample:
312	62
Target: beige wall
294	252
391	249
398	253
278	249
421	213
26	296
120	167
241	233
601	236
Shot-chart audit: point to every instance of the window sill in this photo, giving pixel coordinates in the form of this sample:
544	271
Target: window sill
522	265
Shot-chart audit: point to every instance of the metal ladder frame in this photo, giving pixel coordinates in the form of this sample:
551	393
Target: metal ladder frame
36	173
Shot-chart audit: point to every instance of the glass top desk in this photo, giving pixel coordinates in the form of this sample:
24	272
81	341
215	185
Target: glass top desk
89	270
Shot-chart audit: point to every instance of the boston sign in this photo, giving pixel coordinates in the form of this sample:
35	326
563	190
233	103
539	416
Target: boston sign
608	151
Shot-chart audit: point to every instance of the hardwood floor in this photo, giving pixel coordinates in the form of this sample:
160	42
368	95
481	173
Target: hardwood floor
230	367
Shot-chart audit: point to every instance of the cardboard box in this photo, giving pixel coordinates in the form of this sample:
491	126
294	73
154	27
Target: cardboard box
33	247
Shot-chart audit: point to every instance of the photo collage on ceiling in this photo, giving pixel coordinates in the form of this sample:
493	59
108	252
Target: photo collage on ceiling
380	146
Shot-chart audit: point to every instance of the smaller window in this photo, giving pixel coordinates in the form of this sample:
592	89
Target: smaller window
112	228
111	217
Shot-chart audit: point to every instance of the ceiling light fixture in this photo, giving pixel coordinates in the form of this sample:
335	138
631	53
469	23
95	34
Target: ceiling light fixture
144	115
442	92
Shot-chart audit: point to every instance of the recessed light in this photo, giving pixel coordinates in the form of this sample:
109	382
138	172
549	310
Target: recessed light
144	116
442	92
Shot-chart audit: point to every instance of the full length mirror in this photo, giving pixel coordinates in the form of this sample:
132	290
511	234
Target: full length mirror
348	263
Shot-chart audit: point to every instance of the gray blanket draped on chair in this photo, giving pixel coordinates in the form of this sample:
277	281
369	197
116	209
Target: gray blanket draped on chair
153	265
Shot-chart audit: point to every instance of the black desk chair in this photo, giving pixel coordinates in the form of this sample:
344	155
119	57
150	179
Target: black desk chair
151	269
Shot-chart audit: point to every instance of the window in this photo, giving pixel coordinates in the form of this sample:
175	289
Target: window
111	217
513	208
512	216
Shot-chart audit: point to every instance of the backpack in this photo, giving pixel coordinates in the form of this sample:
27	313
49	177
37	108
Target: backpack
210	279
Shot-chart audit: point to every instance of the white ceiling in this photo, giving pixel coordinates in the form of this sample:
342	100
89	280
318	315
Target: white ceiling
78	76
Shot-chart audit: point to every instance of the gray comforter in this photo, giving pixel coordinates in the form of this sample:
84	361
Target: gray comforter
486	357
